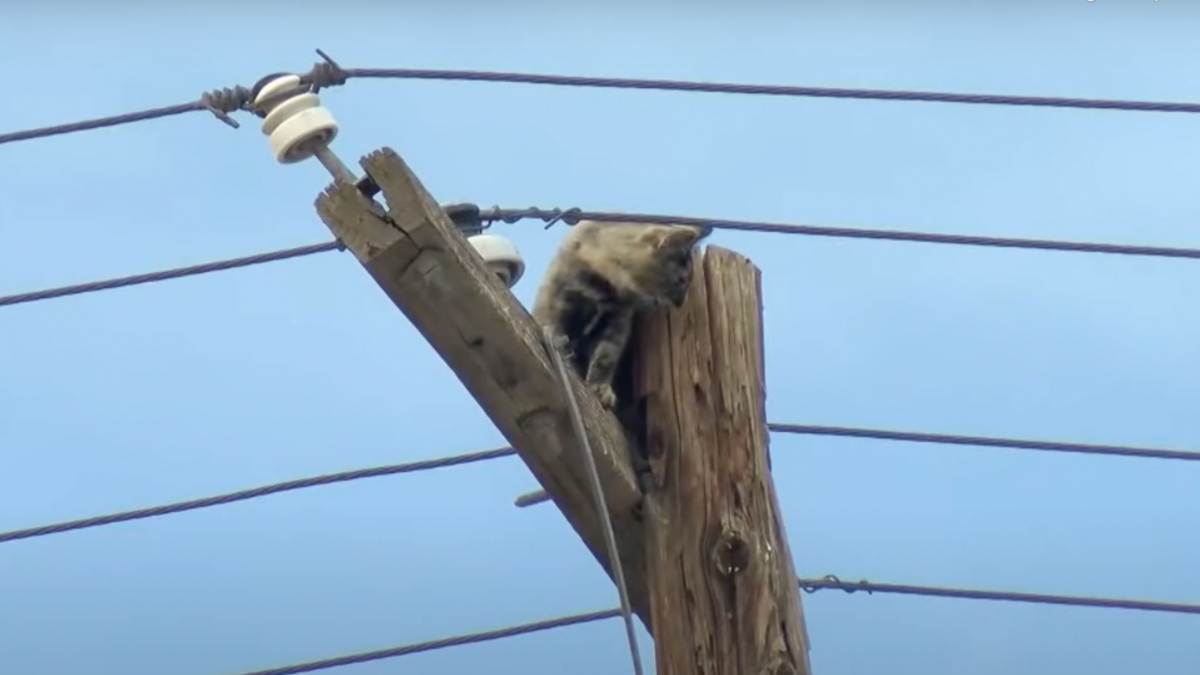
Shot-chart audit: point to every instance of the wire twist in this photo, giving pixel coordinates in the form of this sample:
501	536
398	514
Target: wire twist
324	73
220	102
569	216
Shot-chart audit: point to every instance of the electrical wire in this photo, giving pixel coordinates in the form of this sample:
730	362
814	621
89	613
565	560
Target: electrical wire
540	496
254	493
99	122
811	585
444	643
830	581
1010	443
808	585
769	89
222	102
589	459
173	273
574	215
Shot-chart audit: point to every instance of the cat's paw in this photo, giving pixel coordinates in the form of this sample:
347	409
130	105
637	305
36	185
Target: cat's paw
604	392
561	343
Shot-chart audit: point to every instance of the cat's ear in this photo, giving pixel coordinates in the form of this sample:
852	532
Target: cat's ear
683	236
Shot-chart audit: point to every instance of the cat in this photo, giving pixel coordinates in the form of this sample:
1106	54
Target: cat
601	276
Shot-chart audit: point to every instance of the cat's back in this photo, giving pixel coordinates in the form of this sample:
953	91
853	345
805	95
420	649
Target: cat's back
610	249
592	264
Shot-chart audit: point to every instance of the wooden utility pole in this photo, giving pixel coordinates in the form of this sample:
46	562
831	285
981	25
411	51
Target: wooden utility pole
432	274
723	590
705	556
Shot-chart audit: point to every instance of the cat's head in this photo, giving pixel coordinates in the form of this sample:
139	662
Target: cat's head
667	271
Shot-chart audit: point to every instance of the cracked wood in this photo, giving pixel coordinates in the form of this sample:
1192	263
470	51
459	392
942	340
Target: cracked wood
433	275
724	594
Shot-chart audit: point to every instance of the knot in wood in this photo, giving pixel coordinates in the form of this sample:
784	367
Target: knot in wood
733	554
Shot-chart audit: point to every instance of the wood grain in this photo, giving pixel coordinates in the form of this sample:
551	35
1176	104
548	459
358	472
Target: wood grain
435	277
724	594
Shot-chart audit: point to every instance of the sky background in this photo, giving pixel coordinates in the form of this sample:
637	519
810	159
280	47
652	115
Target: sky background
182	389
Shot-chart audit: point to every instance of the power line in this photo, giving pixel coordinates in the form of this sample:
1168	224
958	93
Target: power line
1011	443
173	273
222	102
574	215
830	581
809	585
770	89
253	493
99	122
444	643
540	496
610	538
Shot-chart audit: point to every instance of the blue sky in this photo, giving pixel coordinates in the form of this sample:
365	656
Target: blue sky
186	388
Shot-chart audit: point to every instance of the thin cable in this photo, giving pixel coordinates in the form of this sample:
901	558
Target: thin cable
173	273
100	122
610	538
769	89
442	643
830	581
221	102
574	215
1011	443
540	496
253	493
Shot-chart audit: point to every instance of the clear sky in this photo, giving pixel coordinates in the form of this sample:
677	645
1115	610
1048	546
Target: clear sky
176	390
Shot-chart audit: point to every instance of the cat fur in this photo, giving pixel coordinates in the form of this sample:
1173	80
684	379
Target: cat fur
602	275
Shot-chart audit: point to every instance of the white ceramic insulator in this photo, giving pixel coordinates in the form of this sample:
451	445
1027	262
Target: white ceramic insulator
501	257
296	124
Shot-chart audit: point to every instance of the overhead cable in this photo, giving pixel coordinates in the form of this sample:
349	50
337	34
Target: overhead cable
601	504
574	215
1009	443
327	73
770	89
830	581
540	495
809	585
433	645
253	493
172	273
99	122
